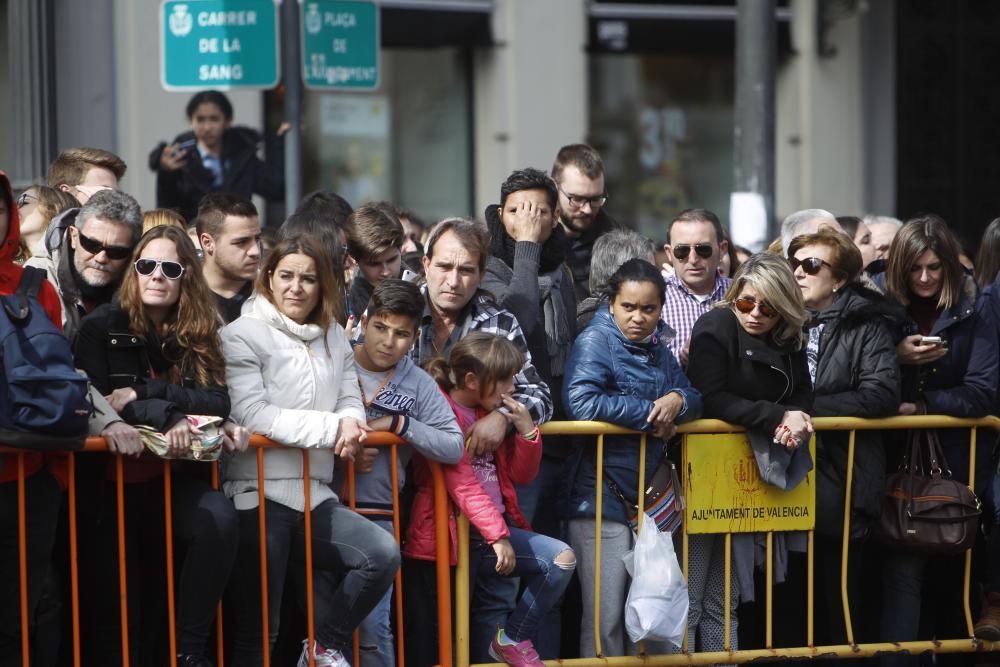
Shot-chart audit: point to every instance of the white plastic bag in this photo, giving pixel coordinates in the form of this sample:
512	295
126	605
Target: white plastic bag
657	605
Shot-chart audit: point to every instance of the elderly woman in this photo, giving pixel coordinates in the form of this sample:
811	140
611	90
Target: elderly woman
291	377
748	360
852	362
948	358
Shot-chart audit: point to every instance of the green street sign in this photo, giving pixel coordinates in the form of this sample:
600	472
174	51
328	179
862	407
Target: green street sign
219	44
340	44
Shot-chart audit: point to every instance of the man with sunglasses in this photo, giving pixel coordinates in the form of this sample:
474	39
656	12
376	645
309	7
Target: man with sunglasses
695	247
86	251
579	175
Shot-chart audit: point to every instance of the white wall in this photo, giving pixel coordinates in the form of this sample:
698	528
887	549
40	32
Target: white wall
530	92
825	154
147	114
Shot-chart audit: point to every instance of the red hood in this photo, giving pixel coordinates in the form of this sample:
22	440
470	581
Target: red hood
9	248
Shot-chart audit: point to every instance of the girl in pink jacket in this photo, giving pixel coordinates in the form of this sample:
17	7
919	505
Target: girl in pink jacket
478	377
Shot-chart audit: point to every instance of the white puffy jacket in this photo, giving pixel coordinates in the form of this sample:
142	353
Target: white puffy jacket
285	384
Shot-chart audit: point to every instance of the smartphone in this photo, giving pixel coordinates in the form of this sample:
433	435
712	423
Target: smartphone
187	145
931	340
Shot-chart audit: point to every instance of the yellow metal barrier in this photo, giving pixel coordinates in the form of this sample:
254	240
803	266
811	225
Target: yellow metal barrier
685	657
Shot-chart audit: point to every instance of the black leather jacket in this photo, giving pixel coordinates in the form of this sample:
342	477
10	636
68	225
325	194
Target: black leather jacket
115	358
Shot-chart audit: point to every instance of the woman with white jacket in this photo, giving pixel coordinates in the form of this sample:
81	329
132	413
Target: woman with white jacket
290	373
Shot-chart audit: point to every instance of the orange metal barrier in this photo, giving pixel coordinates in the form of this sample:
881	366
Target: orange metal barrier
260	444
686	656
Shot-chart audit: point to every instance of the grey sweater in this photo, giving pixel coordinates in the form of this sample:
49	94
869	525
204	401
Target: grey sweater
432	431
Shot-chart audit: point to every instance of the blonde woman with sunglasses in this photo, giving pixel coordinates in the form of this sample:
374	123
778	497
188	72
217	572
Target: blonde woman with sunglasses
748	360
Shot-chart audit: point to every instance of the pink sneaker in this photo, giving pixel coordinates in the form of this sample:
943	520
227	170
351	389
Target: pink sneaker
322	657
516	655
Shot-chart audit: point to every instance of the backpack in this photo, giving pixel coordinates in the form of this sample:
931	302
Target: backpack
43	399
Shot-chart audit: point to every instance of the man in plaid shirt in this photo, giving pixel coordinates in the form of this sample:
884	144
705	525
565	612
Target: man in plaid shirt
454	263
695	247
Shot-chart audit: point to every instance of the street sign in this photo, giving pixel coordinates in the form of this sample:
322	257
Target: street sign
340	45
218	44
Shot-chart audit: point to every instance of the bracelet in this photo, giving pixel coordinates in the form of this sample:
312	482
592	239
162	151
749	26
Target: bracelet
532	435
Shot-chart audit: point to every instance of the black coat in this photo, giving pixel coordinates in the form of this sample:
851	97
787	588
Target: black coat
115	358
744	379
963	383
242	171
856	376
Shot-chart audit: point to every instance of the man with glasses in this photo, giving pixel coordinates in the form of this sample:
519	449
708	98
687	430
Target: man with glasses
84	171
86	259
579	176
695	247
229	232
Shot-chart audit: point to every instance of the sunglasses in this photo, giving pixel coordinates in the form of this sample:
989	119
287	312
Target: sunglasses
24	199
746	304
95	247
170	270
682	251
811	265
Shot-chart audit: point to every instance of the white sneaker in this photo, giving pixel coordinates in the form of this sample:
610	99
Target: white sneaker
322	657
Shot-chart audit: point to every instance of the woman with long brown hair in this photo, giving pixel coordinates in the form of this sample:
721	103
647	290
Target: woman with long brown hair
291	376
157	357
947	353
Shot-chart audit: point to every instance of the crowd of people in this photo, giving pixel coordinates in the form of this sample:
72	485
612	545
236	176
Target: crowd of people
463	338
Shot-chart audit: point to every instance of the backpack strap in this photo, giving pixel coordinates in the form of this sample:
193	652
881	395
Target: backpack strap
31	281
18	304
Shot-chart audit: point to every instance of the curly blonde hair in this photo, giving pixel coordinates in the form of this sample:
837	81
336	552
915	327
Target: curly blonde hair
193	320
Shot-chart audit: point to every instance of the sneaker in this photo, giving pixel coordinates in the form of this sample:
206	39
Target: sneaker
322	657
515	655
988	625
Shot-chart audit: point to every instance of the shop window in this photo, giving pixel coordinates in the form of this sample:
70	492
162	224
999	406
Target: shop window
664	127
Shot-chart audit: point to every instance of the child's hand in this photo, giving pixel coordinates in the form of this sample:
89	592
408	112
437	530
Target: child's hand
380	424
365	462
505	556
518	416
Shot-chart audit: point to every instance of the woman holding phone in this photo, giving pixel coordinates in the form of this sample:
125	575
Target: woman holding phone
215	156
948	360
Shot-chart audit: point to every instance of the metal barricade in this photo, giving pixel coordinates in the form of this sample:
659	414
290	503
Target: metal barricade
258	443
852	649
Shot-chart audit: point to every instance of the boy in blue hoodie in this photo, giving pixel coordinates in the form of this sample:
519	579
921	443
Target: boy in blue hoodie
400	398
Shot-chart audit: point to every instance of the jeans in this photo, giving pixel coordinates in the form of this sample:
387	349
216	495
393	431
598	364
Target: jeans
538	501
917	584
545	582
375	632
205	522
355	563
41	495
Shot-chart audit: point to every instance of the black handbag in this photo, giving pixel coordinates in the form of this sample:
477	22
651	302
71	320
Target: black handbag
923	509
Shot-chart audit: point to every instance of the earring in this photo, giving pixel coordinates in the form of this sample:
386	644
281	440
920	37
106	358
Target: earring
834	290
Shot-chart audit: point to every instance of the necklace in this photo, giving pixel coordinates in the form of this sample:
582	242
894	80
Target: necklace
364	396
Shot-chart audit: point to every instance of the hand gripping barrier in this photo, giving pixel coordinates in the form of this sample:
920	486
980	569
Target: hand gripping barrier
851	649
259	443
